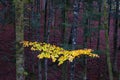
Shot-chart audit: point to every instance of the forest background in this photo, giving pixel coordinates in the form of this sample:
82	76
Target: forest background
70	24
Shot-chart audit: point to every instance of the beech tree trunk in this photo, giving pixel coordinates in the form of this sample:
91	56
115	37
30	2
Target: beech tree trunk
19	28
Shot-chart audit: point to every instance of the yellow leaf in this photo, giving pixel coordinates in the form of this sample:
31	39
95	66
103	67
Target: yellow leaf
71	58
53	58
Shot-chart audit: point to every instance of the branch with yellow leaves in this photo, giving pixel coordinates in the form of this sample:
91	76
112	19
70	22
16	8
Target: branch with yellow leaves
57	53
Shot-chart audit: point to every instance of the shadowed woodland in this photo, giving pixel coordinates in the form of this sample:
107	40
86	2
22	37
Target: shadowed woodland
68	24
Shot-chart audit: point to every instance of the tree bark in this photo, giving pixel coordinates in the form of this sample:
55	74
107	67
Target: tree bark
107	51
74	35
63	38
47	28
115	40
19	11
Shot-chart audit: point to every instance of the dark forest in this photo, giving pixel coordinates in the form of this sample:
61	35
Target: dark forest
59	39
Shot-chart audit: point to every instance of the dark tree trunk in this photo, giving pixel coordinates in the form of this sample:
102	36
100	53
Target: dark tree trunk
74	35
107	51
45	19
109	15
63	39
115	40
35	35
45	37
98	37
47	26
99	25
63	21
37	3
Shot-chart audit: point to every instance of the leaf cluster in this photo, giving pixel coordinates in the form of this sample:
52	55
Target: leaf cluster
57	53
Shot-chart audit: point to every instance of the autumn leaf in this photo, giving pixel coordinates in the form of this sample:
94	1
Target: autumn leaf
57	53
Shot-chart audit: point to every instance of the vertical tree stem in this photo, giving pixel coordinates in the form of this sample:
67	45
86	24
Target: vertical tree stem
105	15
19	27
74	35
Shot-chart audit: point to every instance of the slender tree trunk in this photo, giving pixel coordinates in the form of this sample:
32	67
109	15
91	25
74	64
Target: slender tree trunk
27	30
45	37
47	27
35	36
38	36
107	51
45	19
109	16
115	40
84	57
63	39
85	37
99	25
74	35
33	33
98	37
19	12
64	21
